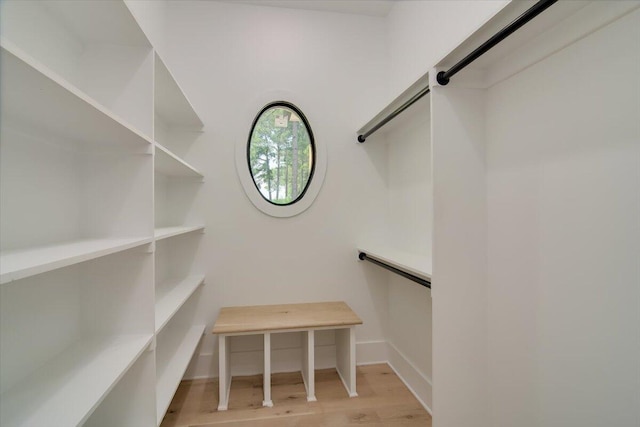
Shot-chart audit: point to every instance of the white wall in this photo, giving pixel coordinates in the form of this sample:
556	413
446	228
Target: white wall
564	236
537	232
231	60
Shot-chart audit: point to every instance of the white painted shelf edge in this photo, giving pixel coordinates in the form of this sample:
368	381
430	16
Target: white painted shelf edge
18	264
169	379
169	164
419	265
166	232
170	303
65	391
47	73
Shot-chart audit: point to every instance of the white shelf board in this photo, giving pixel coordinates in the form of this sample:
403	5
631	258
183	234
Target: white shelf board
66	390
18	264
36	98
170	375
418	265
170	303
167	163
166	232
171	103
393	105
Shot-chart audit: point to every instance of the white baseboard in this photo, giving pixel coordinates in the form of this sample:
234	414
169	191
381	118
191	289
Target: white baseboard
371	352
418	383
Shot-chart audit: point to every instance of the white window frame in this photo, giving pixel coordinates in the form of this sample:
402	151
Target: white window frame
242	164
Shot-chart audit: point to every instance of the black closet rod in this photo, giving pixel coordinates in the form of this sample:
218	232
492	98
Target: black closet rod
424	282
444	76
392	115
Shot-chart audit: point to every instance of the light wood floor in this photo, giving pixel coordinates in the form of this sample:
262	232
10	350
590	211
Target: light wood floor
383	400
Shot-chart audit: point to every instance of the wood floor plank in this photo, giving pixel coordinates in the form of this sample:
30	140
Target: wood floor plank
383	400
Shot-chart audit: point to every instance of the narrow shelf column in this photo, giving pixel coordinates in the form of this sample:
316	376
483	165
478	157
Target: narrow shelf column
346	358
267	371
308	364
224	373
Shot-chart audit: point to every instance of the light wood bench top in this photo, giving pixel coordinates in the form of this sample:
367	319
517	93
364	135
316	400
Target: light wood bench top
261	318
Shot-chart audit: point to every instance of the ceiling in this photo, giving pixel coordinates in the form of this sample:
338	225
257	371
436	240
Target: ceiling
359	7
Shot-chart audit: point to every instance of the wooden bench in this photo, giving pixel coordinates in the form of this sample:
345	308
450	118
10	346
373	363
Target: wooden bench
305	318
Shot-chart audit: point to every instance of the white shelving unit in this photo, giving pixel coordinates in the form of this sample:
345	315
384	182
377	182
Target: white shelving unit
169	164
406	243
96	47
19	264
93	129
404	238
39	98
171	370
84	374
177	184
180	291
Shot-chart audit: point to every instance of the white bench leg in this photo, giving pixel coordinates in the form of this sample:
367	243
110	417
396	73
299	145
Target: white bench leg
308	364
346	358
267	370
224	372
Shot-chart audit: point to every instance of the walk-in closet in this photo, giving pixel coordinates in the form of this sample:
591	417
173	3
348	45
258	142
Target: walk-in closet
310	212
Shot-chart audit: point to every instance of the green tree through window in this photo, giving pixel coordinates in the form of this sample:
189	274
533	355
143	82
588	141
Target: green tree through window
281	153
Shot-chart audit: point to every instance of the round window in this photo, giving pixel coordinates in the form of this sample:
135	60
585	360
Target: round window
281	153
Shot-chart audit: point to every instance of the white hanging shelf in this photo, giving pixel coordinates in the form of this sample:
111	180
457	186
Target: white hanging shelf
170	303
175	366
66	390
37	98
166	232
416	264
167	163
18	264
